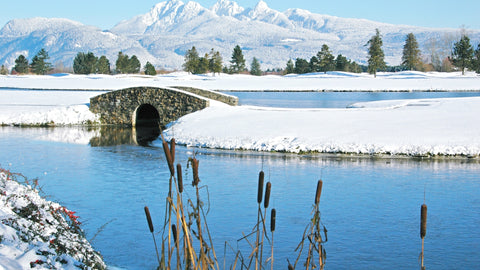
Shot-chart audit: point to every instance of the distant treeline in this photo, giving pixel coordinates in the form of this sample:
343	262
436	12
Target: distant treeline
462	57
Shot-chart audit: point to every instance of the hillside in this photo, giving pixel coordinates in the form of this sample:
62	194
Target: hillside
170	28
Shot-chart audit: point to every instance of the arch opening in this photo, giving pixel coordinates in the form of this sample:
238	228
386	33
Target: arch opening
146	123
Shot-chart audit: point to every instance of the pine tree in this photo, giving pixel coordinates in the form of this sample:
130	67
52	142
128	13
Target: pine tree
39	64
411	53
476	60
133	65
150	69
121	65
202	66
376	60
290	67
191	60
238	61
314	64
85	63
103	65
326	59
341	63
302	66
215	62
21	65
462	53
255	67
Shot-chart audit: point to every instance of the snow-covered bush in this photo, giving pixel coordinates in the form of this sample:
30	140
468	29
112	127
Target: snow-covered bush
36	233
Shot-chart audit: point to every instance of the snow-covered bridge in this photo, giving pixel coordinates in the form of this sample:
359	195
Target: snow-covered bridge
152	106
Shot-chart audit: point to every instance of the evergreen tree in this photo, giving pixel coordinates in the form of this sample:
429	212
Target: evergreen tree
255	67
290	67
133	65
3	70
191	60
476	60
411	53
376	59
202	66
121	65
341	63
302	66
462	53
355	68
326	59
314	64
150	69
21	65
39	64
103	65
215	62
85	63
238	61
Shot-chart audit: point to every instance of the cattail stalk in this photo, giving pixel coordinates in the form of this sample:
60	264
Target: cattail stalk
273	217
261	177
423	229
266	201
150	227
172	149
168	156
196	179
319	192
179	178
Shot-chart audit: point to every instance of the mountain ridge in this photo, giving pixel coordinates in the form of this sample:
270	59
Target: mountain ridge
163	35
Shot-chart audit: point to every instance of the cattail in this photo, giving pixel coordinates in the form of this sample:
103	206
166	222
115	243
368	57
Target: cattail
195	164
174	230
319	192
169	158
179	177
261	175
273	214
423	221
172	149
267	195
149	219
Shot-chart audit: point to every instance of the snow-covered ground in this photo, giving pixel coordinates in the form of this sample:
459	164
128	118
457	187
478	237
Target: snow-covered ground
36	233
332	81
404	127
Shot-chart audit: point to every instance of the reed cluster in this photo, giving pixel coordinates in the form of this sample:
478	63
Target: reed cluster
186	240
315	254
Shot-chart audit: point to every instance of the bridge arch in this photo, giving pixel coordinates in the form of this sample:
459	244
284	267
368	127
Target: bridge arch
145	115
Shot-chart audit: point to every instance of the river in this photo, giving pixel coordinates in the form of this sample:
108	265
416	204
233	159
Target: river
370	205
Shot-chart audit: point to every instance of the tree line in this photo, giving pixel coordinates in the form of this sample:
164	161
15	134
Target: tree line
84	63
463	56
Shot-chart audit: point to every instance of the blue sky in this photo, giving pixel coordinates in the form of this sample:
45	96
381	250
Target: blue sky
106	13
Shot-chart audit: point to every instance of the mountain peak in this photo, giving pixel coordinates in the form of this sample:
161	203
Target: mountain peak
227	8
261	6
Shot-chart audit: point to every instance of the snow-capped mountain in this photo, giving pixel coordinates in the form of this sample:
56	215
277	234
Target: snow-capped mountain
170	28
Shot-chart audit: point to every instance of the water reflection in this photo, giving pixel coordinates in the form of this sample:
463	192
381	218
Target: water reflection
112	135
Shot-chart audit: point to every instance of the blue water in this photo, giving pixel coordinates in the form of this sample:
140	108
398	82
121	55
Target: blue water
370	206
333	99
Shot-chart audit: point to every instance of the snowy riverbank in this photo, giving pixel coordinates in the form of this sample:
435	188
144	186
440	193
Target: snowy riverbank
36	233
403	127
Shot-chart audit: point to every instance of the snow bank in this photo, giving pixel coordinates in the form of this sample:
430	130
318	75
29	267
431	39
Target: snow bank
404	127
332	81
36	233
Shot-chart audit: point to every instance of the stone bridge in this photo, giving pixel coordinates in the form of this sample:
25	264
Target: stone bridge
151	106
